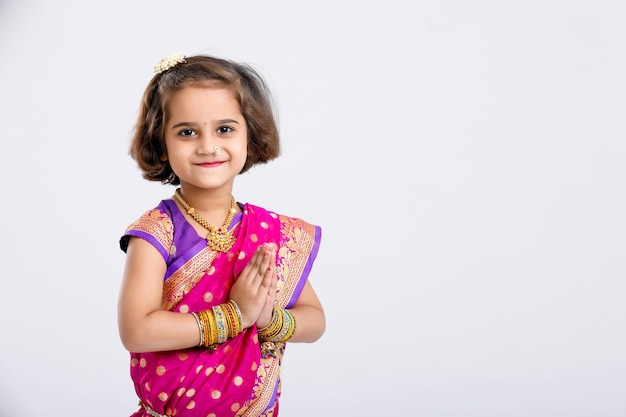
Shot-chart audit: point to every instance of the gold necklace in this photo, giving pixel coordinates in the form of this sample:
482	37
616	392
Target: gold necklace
217	239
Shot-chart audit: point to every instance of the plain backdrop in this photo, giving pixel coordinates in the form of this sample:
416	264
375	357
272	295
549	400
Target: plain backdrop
465	159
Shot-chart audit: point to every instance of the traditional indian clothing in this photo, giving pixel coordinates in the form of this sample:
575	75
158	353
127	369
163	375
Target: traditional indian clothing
233	380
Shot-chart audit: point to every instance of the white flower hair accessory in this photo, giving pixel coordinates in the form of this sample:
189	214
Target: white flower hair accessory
169	61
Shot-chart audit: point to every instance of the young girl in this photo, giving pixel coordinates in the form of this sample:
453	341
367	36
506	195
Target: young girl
212	288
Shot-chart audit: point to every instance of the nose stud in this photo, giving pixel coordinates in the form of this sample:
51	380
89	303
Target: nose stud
216	150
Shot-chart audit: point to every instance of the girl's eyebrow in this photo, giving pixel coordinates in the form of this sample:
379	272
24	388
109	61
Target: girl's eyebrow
180	124
221	121
227	121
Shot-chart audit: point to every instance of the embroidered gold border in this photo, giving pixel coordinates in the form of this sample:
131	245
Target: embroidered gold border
293	254
268	373
295	249
186	277
157	224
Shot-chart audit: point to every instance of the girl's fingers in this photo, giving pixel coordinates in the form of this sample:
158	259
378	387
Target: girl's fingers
250	270
255	289
266	283
258	273
274	281
269	278
264	268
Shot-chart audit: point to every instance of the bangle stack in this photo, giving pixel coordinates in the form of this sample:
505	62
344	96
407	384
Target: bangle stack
280	329
218	324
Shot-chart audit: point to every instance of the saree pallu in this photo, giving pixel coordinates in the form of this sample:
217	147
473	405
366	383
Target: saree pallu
233	380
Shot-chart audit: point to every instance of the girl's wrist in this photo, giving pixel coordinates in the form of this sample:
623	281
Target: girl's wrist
218	324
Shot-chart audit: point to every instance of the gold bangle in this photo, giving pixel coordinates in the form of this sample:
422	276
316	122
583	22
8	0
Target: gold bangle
238	314
220	321
285	327
200	329
280	323
228	316
210	327
234	324
213	321
281	328
218	324
266	333
291	330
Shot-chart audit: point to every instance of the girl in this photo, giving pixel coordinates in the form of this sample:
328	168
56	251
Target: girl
212	288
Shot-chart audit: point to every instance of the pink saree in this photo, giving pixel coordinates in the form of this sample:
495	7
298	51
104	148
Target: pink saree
233	380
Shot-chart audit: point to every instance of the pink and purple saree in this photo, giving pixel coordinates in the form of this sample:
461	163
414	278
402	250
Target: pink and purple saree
233	380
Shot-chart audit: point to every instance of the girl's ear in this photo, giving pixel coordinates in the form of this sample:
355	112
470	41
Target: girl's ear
163	158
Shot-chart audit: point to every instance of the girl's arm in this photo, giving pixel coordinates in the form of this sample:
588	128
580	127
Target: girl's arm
309	315
143	326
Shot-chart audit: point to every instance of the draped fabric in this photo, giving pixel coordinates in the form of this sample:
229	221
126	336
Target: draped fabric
233	380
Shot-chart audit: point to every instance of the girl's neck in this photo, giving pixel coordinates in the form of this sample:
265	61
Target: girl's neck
211	203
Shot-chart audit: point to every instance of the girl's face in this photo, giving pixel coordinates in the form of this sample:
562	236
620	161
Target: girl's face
197	119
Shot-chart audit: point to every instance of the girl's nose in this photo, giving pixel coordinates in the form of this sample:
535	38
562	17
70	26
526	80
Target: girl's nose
206	145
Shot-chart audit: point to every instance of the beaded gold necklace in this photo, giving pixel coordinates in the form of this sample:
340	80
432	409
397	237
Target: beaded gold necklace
217	239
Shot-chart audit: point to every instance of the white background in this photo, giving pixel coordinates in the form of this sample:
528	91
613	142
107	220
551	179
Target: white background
466	160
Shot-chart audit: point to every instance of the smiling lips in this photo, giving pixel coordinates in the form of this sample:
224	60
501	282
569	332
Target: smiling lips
210	164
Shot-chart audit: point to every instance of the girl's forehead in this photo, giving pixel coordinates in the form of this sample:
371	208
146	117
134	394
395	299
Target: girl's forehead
197	100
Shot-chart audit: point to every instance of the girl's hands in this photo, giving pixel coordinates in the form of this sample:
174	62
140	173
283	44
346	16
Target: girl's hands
250	291
268	309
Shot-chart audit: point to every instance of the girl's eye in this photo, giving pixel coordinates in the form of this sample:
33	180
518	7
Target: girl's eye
224	129
187	132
